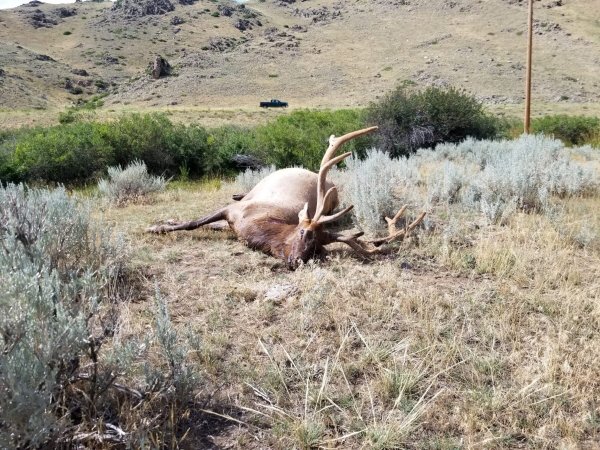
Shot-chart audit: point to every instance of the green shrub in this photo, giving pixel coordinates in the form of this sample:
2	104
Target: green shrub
227	141
572	130
594	139
301	138
162	145
80	149
411	120
68	116
101	85
63	154
76	90
8	142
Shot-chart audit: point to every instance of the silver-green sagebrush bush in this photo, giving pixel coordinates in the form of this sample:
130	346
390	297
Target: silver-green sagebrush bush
369	186
377	186
67	377
494	178
56	268
130	184
447	182
249	178
501	177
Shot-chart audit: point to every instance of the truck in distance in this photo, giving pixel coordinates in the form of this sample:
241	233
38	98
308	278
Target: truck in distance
274	103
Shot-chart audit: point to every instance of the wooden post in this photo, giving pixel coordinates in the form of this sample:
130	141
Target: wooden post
527	121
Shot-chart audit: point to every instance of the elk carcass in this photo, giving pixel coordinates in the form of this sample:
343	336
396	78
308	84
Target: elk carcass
285	215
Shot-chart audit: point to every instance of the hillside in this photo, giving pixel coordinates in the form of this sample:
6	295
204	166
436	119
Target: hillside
312	53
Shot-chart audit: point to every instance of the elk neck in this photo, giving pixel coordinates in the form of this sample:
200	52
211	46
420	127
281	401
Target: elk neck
269	234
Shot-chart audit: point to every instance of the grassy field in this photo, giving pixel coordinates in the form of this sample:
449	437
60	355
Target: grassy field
215	117
482	330
466	336
207	117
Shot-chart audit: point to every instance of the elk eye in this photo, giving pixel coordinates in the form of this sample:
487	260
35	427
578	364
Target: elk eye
301	233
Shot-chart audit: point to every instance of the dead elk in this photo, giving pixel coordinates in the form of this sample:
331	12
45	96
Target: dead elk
285	214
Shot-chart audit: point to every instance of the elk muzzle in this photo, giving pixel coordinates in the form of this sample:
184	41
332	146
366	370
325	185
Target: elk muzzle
305	245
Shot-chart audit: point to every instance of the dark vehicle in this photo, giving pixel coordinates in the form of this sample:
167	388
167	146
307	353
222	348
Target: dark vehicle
274	104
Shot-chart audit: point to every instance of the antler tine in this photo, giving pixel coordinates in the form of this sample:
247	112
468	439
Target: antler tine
326	219
321	195
329	161
392	222
367	249
335	143
397	234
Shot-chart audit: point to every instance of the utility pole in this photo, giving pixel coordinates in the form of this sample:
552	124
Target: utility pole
527	121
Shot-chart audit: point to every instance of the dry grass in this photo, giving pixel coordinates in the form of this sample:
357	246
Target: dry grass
481	337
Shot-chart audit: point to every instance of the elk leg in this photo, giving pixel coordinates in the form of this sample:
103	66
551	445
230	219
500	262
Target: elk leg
193	224
222	225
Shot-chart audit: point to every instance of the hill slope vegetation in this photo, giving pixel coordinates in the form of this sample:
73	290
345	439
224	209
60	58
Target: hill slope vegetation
314	53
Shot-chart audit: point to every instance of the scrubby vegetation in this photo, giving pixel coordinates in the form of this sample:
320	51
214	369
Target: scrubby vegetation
66	379
81	149
572	130
494	178
130	184
59	275
298	139
412	120
480	312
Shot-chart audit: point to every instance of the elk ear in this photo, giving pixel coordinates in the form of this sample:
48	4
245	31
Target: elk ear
303	214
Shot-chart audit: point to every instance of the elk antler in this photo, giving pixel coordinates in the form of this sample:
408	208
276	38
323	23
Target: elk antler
371	247
327	163
393	232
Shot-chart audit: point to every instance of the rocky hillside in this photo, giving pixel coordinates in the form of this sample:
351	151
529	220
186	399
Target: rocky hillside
317	53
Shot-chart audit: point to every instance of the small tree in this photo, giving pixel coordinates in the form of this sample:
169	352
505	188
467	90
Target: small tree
411	120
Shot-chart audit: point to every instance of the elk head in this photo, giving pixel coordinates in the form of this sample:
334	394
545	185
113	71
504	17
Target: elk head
309	238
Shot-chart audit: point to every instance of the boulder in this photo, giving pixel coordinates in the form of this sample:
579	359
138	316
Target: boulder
160	67
43	58
65	12
246	162
80	72
142	8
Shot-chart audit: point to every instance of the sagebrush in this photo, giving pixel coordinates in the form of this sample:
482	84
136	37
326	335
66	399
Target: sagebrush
130	184
495	178
68	378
